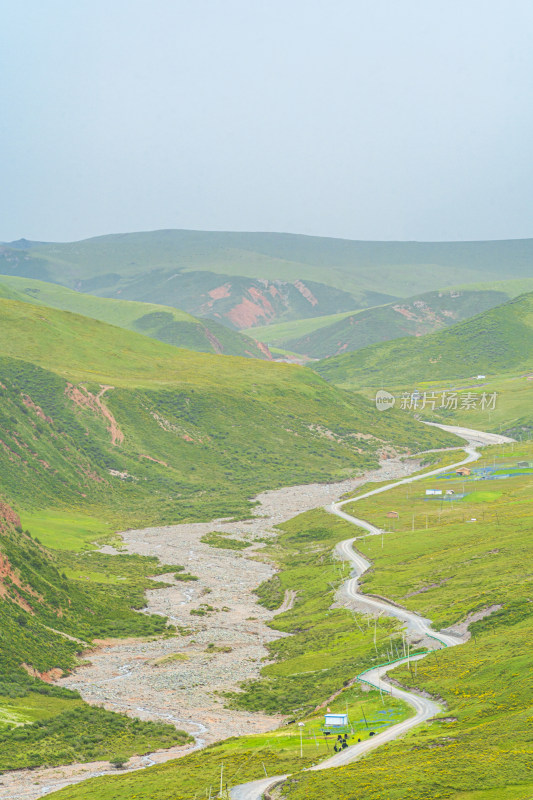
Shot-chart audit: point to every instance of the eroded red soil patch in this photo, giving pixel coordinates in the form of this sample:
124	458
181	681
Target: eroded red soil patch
83	398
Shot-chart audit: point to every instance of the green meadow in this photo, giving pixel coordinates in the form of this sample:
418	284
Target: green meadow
176	435
67	530
480	747
240	759
182	435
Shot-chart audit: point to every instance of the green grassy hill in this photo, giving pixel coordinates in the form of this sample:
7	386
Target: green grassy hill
130	430
414	316
497	341
251	279
167	324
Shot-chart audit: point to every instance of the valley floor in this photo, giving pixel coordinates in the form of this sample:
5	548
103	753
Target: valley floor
123	674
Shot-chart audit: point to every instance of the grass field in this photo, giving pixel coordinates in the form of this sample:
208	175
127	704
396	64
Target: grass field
481	747
66	530
176	435
31	708
243	759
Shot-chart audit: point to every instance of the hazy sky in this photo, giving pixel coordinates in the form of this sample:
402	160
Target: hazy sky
366	119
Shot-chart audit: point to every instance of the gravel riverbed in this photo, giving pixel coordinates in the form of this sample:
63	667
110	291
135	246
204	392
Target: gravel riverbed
123	674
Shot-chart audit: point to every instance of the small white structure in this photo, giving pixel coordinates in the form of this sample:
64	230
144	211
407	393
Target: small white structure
433	491
335	720
480	377
450	491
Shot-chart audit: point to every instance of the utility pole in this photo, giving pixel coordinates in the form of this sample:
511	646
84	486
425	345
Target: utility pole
221	772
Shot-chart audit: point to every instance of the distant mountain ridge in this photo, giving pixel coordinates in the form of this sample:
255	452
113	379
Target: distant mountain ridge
181	268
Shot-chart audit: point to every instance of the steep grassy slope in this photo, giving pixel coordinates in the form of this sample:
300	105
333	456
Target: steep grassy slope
131	430
249	279
414	316
161	322
45	618
497	341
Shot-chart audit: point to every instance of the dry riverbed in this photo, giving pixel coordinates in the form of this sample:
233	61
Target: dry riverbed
180	679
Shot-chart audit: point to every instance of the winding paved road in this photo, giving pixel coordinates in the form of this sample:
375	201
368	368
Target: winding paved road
424	708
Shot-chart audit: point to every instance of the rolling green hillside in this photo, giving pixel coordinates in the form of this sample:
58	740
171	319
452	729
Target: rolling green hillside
414	316
498	341
167	324
130	430
250	279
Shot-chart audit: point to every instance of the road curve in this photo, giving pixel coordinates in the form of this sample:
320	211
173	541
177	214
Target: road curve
424	708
